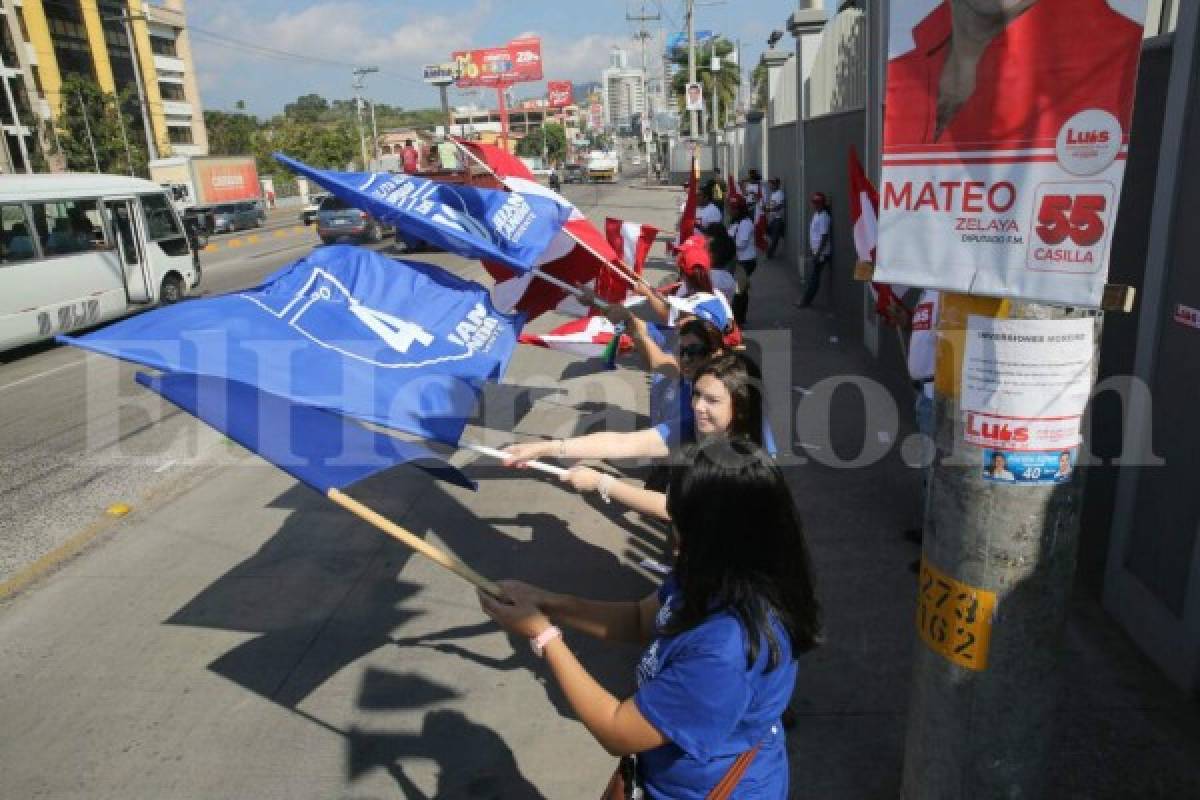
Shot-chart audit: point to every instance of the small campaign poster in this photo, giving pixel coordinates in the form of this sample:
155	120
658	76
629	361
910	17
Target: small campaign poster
695	97
1026	382
1005	148
1029	469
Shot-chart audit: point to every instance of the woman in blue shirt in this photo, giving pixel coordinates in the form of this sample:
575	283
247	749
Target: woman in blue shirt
722	634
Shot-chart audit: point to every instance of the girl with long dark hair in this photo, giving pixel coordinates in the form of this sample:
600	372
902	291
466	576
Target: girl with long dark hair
722	635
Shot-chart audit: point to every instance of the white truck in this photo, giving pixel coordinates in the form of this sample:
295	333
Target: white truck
193	181
603	166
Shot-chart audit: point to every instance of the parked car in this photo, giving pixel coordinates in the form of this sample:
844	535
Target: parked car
309	215
237	216
336	219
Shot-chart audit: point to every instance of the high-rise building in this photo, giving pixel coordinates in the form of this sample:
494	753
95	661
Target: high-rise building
624	91
46	41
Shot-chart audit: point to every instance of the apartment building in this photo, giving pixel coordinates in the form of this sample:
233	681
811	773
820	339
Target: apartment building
46	41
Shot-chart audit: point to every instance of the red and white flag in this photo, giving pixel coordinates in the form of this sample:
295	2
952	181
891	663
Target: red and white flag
631	240
565	258
687	219
864	214
734	194
584	337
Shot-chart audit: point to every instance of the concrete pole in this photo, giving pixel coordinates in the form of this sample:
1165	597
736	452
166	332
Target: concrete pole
445	95
987	732
374	134
805	25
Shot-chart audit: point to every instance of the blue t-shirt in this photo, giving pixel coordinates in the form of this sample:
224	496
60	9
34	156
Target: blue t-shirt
694	687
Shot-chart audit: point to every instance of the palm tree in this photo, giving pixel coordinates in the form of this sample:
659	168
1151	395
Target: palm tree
728	79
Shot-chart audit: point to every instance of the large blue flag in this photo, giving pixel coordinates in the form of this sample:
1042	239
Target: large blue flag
398	343
509	227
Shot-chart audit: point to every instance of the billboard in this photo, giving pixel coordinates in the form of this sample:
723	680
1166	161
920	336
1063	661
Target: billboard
440	73
677	42
519	60
1001	175
559	94
226	180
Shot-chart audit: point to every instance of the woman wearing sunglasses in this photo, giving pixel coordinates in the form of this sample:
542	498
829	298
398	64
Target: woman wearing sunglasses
723	634
726	401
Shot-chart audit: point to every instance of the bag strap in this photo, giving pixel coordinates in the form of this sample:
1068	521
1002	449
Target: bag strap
724	788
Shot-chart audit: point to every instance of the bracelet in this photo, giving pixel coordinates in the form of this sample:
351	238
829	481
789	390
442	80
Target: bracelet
606	482
539	642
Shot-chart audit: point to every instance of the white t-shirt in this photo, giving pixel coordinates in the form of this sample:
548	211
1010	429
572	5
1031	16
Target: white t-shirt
776	205
817	229
752	193
922	346
707	215
743	237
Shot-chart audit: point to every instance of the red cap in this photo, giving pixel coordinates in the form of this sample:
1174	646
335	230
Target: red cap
819	197
693	255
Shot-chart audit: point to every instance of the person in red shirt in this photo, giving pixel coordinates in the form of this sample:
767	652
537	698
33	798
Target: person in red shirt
409	157
1010	71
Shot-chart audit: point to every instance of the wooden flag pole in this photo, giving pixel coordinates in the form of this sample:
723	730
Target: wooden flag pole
630	276
435	554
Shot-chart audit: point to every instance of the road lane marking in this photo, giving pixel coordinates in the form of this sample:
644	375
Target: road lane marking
234	243
29	378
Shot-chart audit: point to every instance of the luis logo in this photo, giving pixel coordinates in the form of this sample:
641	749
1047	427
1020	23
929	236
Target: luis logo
1087	137
979	430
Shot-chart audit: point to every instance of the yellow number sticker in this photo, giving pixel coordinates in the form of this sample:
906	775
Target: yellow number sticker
954	619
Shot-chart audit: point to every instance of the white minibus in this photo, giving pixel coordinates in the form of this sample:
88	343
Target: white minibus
77	249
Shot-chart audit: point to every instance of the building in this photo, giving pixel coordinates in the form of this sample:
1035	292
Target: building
623	91
46	41
474	121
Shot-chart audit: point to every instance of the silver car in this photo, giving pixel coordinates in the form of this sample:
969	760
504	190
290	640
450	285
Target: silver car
335	219
237	216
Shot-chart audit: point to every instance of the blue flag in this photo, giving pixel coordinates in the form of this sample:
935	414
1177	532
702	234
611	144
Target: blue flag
508	227
319	448
398	343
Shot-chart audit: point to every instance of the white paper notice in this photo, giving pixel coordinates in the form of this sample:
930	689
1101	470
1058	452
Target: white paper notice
1025	383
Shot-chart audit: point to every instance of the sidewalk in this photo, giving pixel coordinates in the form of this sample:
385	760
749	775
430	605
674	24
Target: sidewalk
1123	730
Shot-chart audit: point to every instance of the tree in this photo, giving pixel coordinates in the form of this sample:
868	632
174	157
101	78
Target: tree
728	79
554	138
308	107
90	129
758	90
230	134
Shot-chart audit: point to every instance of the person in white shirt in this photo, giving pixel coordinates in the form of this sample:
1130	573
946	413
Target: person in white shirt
752	189
708	212
922	358
776	209
820	247
741	230
721	250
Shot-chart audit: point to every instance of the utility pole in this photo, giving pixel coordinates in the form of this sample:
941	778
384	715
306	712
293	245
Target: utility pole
125	17
358	84
124	138
691	33
643	35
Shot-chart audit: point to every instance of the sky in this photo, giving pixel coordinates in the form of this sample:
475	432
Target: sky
399	36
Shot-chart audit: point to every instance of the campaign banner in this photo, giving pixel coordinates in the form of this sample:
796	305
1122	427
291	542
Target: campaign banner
1002	166
1029	469
559	94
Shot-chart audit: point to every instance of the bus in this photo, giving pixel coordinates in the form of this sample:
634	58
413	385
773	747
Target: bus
79	249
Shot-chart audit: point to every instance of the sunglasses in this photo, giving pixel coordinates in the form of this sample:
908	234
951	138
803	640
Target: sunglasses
693	351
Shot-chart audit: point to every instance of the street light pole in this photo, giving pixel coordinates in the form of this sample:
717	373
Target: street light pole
126	18
691	32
